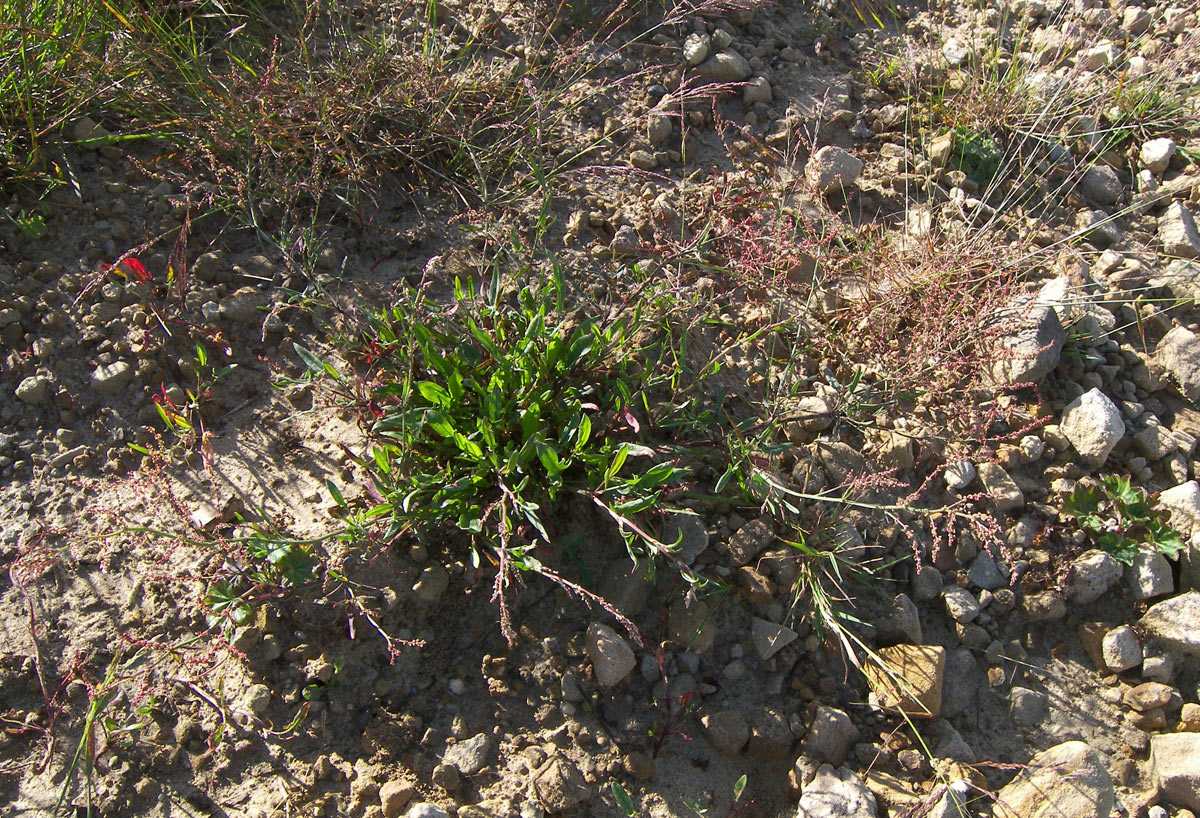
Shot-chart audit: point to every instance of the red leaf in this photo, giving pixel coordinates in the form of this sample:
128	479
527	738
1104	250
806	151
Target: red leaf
137	269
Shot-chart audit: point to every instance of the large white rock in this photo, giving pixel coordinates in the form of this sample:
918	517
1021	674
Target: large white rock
1176	761
836	794
1092	422
1157	153
1176	622
1177	232
1179	353
832	168
1065	781
1031	345
1092	574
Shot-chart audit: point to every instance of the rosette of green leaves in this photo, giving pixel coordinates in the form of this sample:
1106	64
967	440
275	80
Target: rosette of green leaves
1119	516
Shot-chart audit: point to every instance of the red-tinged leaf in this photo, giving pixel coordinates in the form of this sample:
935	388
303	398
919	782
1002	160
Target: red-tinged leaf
138	270
632	421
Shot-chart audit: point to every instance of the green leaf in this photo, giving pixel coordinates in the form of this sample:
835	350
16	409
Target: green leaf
315	365
549	457
434	393
468	447
623	800
584	433
724	479
1122	490
1122	548
617	462
656	476
739	787
1083	500
440	423
335	493
1166	539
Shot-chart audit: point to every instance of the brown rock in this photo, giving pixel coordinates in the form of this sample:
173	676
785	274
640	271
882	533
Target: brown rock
1148	696
911	680
559	786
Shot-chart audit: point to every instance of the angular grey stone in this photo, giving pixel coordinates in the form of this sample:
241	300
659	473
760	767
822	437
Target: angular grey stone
727	731
612	659
1120	649
750	540
1065	781
1155	442
1028	707
1176	761
927	583
840	460
769	638
1005	493
109	379
658	127
1157	153
1101	184
831	736
628	586
757	90
1179	354
33	390
688	530
836	794
725	66
1093	424
426	810
243	305
469	756
962	682
1150	574
903	625
559	786
1032	345
960	474
832	168
1177	232
1176	622
695	48
985	574
770	735
1092	574
961	604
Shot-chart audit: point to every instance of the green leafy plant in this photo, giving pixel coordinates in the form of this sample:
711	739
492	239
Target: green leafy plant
976	154
1119	516
489	411
31	223
264	562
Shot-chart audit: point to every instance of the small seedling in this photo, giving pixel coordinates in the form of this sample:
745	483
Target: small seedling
621	796
32	225
1119	516
184	419
976	154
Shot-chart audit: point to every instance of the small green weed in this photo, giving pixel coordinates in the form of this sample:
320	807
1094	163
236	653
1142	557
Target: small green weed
1119	517
264	563
489	411
976	154
31	224
184	419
